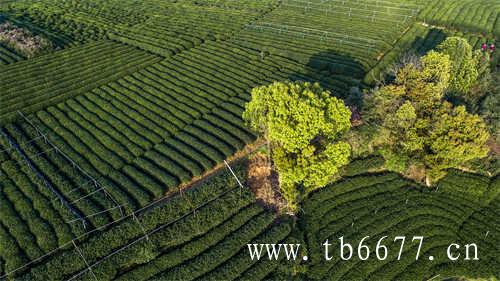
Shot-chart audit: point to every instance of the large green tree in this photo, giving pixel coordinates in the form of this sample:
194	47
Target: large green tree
417	129
303	125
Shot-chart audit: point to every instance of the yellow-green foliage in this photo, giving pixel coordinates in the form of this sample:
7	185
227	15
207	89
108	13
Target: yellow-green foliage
303	124
464	70
417	128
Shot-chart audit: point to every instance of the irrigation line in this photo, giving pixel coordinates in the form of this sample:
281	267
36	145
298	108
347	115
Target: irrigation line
40	153
350	14
330	8
407	6
106	192
58	150
23	143
34	156
40	176
148	234
76	188
96	214
84	260
341	41
304	34
86	196
82	236
434	277
136	212
32	125
382	1
323	3
140	225
19	166
234	175
322	32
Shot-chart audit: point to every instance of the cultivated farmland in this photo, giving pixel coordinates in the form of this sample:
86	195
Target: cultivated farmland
112	145
387	205
8	56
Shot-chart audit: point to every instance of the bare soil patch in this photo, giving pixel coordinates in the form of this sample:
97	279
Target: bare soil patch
264	183
22	40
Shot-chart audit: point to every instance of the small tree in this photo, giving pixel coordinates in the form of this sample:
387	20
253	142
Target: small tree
418	130
464	71
303	125
484	83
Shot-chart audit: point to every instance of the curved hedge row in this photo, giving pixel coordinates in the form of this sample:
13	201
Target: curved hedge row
385	204
189	235
8	56
184	27
481	16
65	74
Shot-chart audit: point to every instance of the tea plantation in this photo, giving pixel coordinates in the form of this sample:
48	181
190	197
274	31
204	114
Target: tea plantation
460	210
112	144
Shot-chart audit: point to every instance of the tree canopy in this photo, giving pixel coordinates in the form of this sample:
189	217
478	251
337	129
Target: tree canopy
418	129
303	125
464	65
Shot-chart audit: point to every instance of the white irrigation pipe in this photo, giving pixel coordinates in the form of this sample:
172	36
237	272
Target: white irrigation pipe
77	188
86	196
31	156
133	214
366	4
234	175
90	232
40	176
304	34
98	213
23	143
35	156
326	6
350	14
140	224
146	236
346	36
76	238
323	5
407	6
55	147
434	277
68	158
84	260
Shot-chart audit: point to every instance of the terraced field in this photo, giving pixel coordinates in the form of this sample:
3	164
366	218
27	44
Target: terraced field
200	234
420	39
139	98
65	74
387	205
8	56
473	16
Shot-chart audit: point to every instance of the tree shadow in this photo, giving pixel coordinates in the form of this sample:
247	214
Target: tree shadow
422	45
338	73
404	52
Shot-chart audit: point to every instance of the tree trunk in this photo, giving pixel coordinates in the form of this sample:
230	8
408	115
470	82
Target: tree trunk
268	142
427	181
